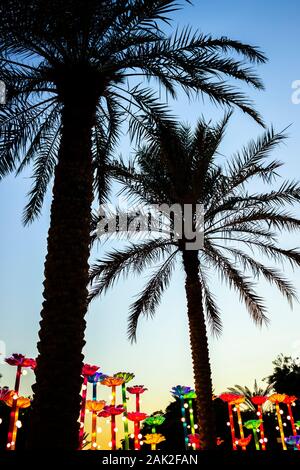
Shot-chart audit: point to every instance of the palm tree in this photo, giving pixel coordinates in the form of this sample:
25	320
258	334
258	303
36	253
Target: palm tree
67	67
248	394
176	165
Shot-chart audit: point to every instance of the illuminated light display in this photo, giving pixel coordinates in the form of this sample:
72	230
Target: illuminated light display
277	398
154	439
137	417
243	442
87	371
293	441
127	377
154	421
112	411
259	401
137	390
289	400
229	398
254	424
20	361
190	396
237	401
15	402
94	407
179	391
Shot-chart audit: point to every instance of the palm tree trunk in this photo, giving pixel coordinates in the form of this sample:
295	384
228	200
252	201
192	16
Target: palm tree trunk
56	401
200	353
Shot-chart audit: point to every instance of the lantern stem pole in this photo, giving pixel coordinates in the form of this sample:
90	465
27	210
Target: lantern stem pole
240	423
292	419
231	422
280	427
82	412
124	400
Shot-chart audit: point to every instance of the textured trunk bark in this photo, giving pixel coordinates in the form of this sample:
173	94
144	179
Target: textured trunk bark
200	353
56	401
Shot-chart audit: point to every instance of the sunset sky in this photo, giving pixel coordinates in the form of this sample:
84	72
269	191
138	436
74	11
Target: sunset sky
161	357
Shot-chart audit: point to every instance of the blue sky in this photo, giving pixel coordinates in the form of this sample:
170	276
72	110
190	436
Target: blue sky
161	358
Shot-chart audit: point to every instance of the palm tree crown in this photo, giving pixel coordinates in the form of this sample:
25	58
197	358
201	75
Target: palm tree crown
55	51
179	166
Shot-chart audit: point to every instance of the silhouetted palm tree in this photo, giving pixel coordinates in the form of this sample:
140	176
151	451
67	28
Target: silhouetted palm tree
67	66
179	166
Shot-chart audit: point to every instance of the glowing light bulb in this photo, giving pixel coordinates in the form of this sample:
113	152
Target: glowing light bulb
24	372
116	429
110	444
183	420
261	441
288	417
265	439
236	442
191	410
258	413
277	428
281	412
18	424
15	397
140	436
0	420
84	441
186	405
196	426
99	429
227	424
234	409
284	424
132	436
189	427
8	445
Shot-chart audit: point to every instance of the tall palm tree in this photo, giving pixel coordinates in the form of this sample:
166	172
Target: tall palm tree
68	66
178	166
248	393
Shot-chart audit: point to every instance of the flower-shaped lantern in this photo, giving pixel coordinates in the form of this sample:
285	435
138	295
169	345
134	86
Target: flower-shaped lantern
15	402
277	398
254	424
189	397
137	417
94	407
87	371
154	440
194	441
180	391
259	401
154	421
230	398
127	377
112	411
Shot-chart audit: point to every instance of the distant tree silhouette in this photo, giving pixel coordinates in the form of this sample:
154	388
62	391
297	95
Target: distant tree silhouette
286	375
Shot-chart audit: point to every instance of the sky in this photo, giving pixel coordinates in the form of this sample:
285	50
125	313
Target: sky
161	358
